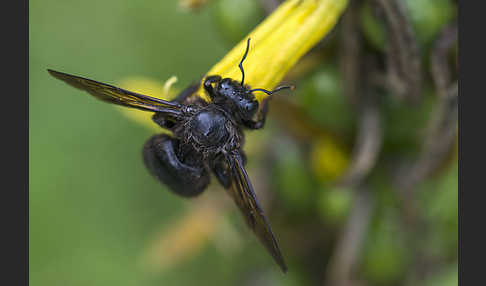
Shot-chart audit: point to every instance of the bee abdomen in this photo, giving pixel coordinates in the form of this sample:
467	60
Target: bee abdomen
162	161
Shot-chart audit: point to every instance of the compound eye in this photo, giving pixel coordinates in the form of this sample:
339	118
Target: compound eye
225	83
225	88
248	109
251	106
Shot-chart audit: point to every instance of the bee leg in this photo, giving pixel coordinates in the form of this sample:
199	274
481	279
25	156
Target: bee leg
222	170
183	95
187	180
208	84
163	121
261	116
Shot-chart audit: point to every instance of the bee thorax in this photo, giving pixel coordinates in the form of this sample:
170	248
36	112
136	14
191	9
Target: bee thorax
208	128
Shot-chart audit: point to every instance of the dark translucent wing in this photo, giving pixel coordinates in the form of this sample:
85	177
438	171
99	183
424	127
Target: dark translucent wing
244	196
117	95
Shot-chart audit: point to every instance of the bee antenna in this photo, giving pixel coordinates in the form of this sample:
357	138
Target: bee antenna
241	63
291	87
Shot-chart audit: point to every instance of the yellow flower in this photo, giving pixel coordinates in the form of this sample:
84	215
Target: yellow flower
279	42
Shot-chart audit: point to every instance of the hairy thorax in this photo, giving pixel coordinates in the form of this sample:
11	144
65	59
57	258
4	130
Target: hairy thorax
210	130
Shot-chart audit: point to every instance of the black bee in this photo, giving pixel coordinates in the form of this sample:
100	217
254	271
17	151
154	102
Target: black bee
206	137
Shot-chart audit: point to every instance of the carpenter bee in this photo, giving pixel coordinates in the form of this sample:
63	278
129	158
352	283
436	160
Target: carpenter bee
206	137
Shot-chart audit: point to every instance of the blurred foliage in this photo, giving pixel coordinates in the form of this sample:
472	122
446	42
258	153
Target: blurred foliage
236	18
335	204
322	98
405	136
385	254
291	173
428	17
97	217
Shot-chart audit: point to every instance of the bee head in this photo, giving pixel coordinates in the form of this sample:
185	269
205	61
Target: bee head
238	98
235	95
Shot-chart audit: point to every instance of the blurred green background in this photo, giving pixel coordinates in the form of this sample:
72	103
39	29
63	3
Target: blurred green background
95	210
93	205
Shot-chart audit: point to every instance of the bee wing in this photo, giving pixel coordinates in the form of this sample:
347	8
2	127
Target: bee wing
119	96
242	193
